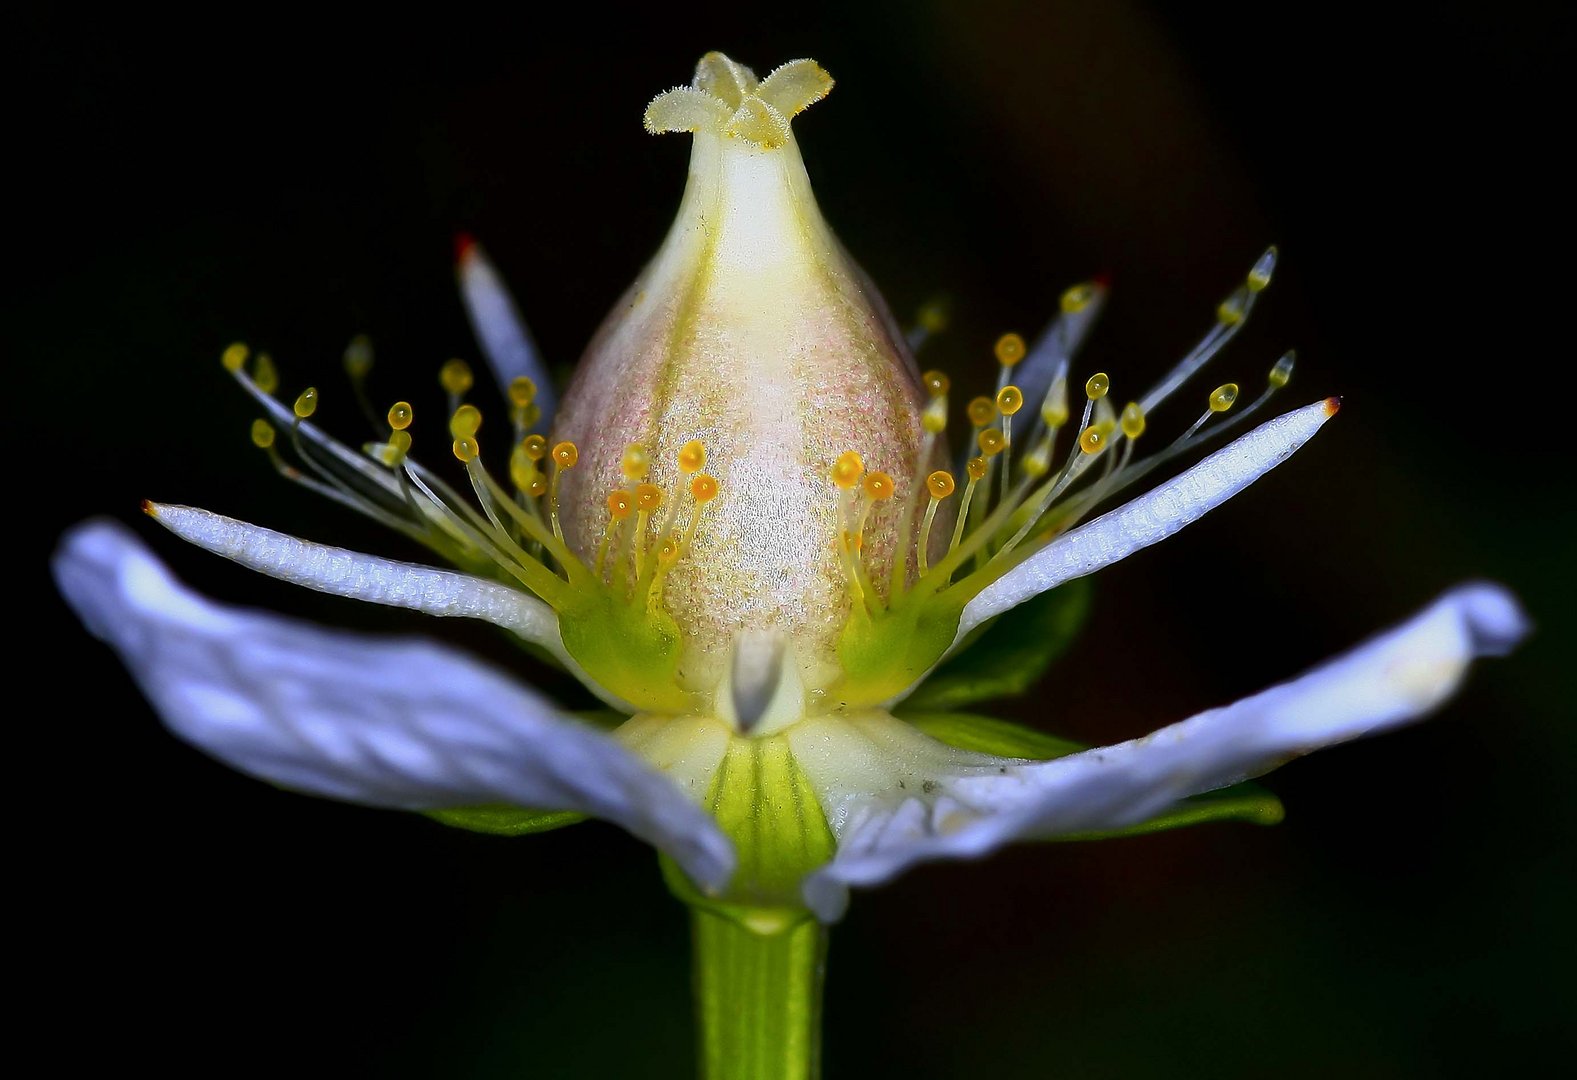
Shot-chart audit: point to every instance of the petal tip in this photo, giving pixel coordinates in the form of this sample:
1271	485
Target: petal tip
1494	618
464	244
1333	405
150	508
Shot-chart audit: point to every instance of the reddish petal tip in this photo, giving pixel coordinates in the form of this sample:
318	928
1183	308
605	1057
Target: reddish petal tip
1331	405
463	243
1103	279
149	509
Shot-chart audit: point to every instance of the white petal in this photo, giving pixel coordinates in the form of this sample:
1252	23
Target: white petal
1151	517
499	329
1396	678
387	722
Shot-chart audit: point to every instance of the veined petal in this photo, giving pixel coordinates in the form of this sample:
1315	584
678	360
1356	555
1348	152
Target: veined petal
502	333
1151	517
1396	678
386	722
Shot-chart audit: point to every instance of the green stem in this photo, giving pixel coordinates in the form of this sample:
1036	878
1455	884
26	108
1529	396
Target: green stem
758	980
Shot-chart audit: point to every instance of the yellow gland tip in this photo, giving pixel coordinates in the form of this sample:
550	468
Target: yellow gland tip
307	403
535	446
1096	387
465	422
976	468
400	415
936	383
1222	397
1230	312
692	456
262	434
982	410
940	484
703	488
648	497
991	442
1010	399
455	376
1281	372
846	471
400	442
1132	420
1077	298
465	449
265	374
1009	349
234	357
565	455
619	504
879	486
358	357
1264	266
522	391
933	418
635	462
1092	441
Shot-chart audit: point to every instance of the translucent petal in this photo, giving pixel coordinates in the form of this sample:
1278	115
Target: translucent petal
388	722
499	329
1396	678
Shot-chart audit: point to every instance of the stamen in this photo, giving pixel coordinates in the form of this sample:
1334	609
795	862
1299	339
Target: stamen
400	415
1009	350
466	422
976	470
565	455
262	434
456	379
635	463
930	320
306	403
619	505
648	497
234	357
939	485
265	374
1009	401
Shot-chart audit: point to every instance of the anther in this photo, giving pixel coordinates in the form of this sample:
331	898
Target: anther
1010	399
1233	308
400	442
1077	298
936	383
265	374
648	497
1091	441
358	357
262	434
565	455
991	442
1096	387
522	468
522	391
940	484
703	488
1223	397
1132	420
535	446
692	456
933	419
879	486
635	462
465	449
846	471
977	467
465	422
455	377
400	415
307	403
619	504
932	316
1009	349
1054	410
234	357
1264	266
982	410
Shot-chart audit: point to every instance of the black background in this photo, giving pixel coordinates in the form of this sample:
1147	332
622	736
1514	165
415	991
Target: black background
293	178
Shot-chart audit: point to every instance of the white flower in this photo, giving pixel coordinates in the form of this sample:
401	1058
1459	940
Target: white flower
760	624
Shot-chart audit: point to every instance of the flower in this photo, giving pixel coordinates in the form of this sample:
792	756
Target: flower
743	536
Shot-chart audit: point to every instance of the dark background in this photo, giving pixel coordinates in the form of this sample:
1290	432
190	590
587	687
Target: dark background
293	179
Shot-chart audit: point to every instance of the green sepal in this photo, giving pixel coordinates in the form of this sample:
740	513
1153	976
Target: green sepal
966	731
505	820
1009	654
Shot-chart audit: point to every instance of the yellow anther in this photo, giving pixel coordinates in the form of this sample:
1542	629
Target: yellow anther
455	377
703	488
1096	387
1009	349
635	462
940	484
524	416
565	455
1077	298
358	357
1222	397
692	456
262	434
648	497
933	418
234	357
307	403
1054	410
400	415
668	554
535	446
1264	266
265	374
1132	420
465	422
1281	373
522	391
1037	462
1230	312
932	316
936	383
619	504
879	486
465	449
977	468
538	488
522	468
991	442
1092	441
981	411
846	471
400	442
1010	399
